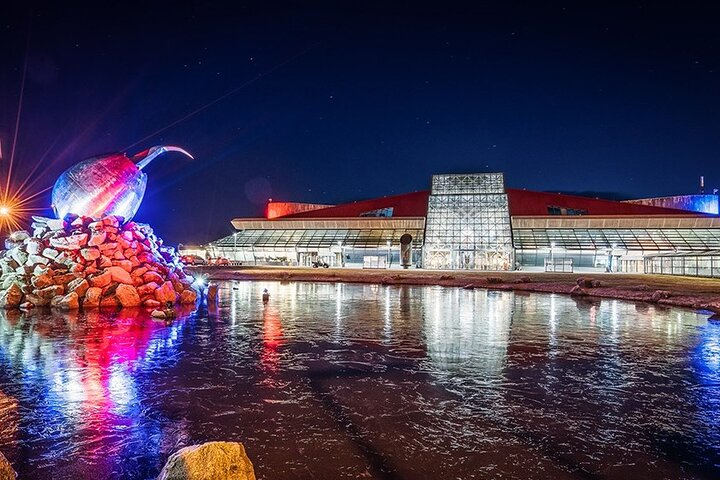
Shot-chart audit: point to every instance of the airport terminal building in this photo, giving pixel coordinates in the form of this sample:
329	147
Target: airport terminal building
472	221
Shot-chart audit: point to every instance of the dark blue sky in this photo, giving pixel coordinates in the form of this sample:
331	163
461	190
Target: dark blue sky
363	99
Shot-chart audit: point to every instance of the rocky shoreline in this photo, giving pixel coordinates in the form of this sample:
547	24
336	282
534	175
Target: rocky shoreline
83	262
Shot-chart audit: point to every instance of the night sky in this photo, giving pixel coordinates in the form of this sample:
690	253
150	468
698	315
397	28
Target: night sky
342	101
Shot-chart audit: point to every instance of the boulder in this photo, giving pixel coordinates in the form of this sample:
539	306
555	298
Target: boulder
127	295
55	301
12	297
658	295
120	275
37	260
50	253
102	280
577	290
37	301
109	302
6	470
19	236
34	246
216	460
166	293
42	281
148	288
125	265
111	221
72	242
151	303
79	286
92	297
55	224
69	302
50	292
65	278
188	296
18	255
108	247
97	239
90	253
150	276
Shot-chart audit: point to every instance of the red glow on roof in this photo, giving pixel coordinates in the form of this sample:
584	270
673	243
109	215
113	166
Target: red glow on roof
405	205
529	203
521	203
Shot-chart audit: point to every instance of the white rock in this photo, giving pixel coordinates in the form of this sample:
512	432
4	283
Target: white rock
19	236
55	224
33	246
72	242
18	255
50	253
37	259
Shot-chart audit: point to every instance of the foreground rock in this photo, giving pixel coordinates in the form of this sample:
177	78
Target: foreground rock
81	262
6	470
212	460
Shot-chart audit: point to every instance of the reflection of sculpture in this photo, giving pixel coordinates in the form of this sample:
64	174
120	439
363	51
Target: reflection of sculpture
106	185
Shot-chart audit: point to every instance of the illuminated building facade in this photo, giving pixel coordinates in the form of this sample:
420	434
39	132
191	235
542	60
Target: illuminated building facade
468	223
472	221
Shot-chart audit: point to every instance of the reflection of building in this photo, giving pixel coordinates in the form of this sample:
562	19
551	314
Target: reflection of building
471	221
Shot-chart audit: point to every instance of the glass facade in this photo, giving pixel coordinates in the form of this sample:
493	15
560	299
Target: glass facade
596	247
468	223
303	246
694	264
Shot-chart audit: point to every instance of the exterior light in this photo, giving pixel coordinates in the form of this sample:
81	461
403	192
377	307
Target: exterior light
4	210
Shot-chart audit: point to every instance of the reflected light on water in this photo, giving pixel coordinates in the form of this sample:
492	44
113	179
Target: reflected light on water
388	381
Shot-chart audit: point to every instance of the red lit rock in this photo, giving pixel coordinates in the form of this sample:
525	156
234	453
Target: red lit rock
127	296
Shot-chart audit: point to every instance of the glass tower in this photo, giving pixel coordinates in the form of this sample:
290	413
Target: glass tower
468	223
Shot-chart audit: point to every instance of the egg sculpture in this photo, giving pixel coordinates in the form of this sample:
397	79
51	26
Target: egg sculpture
112	184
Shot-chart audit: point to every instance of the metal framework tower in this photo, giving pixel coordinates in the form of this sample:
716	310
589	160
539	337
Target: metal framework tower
468	223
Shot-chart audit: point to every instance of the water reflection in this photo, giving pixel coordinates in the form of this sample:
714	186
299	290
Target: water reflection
391	382
78	377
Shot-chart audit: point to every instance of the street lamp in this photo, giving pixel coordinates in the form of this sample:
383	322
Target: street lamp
342	257
235	255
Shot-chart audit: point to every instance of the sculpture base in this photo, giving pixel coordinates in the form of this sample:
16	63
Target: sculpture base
82	262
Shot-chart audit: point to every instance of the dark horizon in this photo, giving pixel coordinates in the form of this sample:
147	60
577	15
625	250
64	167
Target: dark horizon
333	103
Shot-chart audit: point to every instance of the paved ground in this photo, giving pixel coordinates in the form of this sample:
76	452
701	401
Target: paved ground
680	291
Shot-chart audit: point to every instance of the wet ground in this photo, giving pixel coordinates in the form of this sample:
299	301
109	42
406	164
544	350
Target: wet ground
346	381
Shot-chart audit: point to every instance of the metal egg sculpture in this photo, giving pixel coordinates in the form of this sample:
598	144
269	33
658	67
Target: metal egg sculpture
112	184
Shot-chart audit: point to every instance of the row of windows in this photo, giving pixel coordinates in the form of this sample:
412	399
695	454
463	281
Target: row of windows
630	239
696	266
317	238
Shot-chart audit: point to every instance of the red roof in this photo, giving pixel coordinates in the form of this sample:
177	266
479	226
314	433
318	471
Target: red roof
521	203
529	203
405	205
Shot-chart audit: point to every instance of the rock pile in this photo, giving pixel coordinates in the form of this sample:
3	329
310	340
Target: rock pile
84	262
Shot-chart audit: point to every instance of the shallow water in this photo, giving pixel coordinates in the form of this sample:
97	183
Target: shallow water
344	381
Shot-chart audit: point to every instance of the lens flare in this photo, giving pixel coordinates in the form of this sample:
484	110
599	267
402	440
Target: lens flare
16	210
